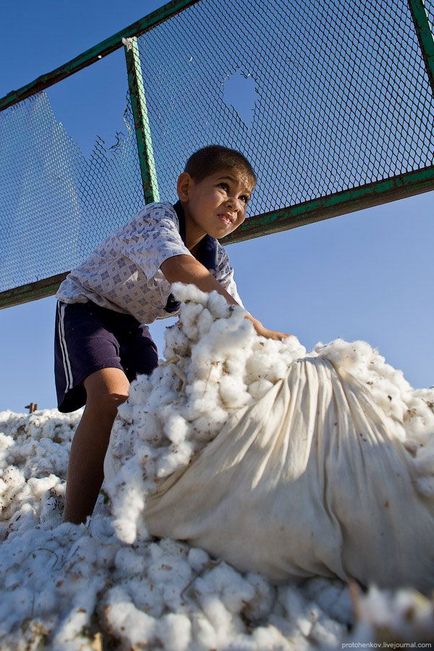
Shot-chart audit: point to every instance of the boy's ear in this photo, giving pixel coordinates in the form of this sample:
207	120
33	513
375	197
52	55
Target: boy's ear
183	186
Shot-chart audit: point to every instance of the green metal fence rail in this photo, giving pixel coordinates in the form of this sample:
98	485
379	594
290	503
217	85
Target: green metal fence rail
334	109
419	12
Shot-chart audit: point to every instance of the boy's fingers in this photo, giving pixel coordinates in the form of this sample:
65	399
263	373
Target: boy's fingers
273	334
282	335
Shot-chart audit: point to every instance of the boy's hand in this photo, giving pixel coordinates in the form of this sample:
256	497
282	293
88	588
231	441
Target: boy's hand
265	332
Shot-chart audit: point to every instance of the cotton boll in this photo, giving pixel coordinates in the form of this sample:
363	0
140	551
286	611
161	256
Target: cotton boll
129	562
139	390
189	318
419	417
176	342
206	427
427	395
327	633
188	292
175	428
140	415
13	484
161	395
424	460
125	413
204	322
6	442
293	347
146	596
126	622
13	478
270	639
201	371
233	393
52	508
174	632
203	632
199	389
258	366
178	455
149	428
39	486
127	493
224	625
217	305
202	398
232	588
277	371
235	365
339	353
198	558
169	570
167	546
225	338
49	457
295	609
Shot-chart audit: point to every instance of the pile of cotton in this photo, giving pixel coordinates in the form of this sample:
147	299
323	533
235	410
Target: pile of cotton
33	460
109	584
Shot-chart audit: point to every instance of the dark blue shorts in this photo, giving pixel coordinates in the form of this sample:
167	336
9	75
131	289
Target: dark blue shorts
89	338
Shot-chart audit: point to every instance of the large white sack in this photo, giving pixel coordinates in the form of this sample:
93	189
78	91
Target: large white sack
305	482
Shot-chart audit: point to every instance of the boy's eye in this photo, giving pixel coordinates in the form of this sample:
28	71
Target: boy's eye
224	186
244	198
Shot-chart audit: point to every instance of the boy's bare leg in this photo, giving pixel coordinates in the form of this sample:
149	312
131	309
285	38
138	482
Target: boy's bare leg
106	390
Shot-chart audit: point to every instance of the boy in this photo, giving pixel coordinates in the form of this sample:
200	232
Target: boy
101	340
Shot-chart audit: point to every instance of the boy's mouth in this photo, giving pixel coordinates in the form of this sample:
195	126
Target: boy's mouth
226	218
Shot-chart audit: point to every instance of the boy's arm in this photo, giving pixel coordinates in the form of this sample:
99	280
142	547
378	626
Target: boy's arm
186	269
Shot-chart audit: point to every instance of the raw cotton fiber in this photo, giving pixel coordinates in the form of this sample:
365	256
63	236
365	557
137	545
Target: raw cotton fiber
111	584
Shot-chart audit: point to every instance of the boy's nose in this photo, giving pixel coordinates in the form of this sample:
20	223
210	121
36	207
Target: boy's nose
234	204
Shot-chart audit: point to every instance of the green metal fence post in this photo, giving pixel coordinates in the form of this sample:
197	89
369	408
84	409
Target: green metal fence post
141	121
425	36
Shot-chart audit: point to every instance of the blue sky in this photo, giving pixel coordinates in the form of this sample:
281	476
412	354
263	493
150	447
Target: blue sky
368	275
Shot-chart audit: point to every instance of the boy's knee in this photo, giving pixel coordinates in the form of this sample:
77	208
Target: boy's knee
106	390
107	402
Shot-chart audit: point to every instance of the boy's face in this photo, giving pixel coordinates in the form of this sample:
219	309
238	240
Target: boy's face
216	205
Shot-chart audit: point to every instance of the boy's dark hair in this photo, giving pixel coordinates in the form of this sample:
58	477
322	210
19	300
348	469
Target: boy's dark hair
213	158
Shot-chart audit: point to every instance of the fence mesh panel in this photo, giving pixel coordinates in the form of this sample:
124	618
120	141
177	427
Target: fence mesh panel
429	6
321	95
57	204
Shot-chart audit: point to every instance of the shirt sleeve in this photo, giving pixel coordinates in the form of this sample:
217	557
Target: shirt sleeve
152	238
224	273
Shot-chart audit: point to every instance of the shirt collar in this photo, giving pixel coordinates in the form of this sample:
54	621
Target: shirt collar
207	249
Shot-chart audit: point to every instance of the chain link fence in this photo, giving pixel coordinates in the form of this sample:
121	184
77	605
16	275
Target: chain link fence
56	204
323	97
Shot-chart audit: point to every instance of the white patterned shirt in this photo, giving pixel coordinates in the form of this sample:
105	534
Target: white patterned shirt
123	274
